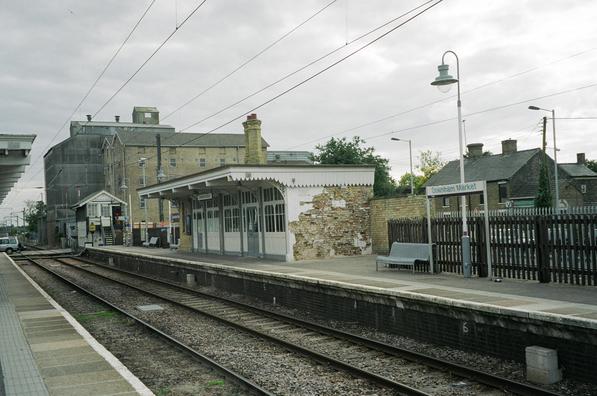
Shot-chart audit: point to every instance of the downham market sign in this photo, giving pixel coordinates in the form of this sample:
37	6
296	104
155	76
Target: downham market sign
456	189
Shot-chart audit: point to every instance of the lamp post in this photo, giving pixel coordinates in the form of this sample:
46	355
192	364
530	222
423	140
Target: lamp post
555	154
410	149
143	163
444	82
123	189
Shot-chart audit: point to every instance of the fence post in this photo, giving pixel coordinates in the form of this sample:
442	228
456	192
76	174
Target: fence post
542	241
481	251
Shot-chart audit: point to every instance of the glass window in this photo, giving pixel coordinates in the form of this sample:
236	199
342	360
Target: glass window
502	192
92	210
481	199
173	162
142	203
142	180
202	162
3	241
446	202
222	161
270	225
280	218
106	209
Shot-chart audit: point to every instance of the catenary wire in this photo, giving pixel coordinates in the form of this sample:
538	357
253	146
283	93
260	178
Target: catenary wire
149	58
285	77
93	85
314	75
388	117
251	59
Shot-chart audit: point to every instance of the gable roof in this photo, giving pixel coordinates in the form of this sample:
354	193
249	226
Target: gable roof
577	170
88	198
488	167
172	139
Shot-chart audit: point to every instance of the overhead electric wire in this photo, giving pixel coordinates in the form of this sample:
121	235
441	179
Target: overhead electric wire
95	82
93	85
388	117
318	73
251	59
483	111
149	58
285	77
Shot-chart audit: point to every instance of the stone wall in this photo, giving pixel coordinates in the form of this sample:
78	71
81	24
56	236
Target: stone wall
384	209
337	223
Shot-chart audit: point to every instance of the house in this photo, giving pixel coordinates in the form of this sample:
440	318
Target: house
133	159
513	179
74	168
99	220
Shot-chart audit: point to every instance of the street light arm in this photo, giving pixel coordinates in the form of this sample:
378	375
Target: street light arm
457	69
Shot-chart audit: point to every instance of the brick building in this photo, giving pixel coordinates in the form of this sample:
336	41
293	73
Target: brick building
130	160
513	179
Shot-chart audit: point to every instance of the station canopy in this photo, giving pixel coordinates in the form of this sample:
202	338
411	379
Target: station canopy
14	157
236	176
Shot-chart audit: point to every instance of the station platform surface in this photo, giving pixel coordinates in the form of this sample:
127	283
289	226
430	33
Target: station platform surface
562	303
44	351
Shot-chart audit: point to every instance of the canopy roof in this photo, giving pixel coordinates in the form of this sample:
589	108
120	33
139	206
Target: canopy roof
292	176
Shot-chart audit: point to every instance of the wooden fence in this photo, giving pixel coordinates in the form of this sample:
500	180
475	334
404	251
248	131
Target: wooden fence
548	248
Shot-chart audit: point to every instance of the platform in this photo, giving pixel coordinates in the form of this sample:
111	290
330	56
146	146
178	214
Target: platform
551	301
44	351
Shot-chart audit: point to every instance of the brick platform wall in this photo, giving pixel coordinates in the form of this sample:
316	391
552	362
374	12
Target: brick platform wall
384	209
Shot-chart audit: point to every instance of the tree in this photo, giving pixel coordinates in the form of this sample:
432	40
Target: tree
34	211
343	151
430	164
543	198
592	165
404	182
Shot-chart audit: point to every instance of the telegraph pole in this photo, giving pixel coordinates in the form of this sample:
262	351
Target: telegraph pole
160	174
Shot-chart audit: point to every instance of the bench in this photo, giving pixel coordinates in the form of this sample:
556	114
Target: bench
153	242
404	254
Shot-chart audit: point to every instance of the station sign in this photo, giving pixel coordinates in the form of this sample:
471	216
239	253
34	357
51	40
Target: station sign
456	189
203	197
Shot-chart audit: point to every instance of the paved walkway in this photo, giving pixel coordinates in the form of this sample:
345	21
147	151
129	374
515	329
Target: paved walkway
574	304
44	351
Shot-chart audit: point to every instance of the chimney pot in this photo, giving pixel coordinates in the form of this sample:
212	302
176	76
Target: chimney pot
117	118
252	116
509	146
475	149
580	158
88	117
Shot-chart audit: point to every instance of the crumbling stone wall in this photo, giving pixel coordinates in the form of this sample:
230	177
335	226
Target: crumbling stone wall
337	224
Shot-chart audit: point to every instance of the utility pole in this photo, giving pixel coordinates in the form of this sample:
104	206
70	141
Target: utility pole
544	144
160	174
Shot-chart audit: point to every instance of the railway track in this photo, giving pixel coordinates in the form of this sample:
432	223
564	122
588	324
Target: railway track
249	386
371	360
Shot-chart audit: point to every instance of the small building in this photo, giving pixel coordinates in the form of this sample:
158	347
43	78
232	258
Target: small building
99	220
285	212
513	179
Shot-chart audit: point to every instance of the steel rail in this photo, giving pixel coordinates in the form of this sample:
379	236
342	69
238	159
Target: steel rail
237	378
485	378
401	388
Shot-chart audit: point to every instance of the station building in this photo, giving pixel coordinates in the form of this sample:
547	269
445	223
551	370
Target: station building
285	212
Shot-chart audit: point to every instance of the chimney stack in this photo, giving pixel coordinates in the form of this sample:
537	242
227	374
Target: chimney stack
509	146
253	150
88	117
117	118
475	150
580	158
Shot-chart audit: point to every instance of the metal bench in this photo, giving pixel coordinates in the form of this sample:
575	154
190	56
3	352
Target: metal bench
153	242
406	254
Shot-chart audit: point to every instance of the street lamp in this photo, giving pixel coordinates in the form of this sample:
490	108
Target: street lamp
143	163
123	189
444	82
412	183
555	154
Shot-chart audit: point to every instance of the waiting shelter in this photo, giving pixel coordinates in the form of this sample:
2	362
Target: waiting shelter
286	212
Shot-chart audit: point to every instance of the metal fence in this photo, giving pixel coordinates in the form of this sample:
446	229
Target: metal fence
546	247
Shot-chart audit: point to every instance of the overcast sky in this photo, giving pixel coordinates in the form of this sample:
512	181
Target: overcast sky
52	51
